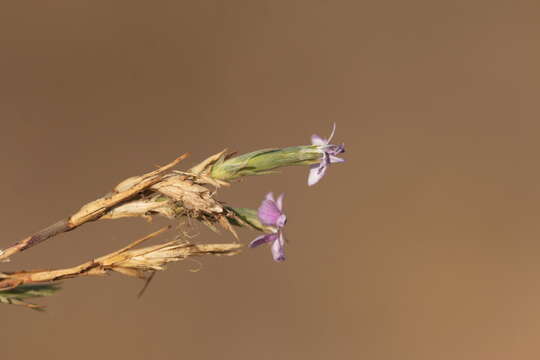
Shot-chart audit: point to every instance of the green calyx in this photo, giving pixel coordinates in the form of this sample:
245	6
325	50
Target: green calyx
249	217
264	161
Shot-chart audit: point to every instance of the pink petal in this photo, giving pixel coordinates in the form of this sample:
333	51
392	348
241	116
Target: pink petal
270	196
335	159
269	212
281	221
317	140
263	239
279	202
316	172
278	252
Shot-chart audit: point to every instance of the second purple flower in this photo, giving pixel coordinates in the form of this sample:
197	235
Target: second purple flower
271	214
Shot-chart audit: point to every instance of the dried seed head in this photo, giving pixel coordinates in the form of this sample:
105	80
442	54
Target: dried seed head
194	197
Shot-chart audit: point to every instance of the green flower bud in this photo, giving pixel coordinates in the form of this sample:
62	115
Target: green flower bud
264	161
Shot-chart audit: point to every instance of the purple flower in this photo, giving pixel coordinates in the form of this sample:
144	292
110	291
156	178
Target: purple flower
271	214
329	152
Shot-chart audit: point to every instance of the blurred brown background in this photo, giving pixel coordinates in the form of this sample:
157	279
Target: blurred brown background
424	245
